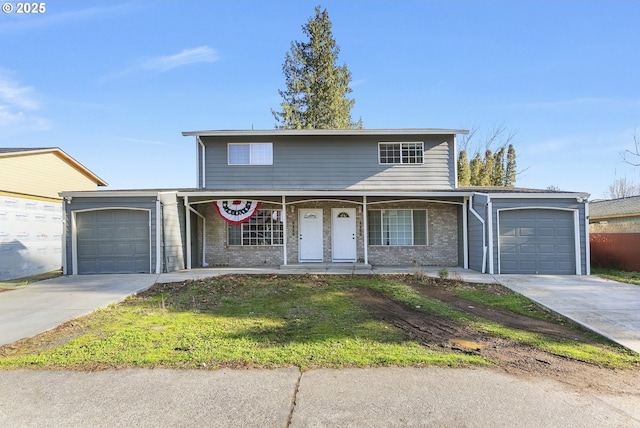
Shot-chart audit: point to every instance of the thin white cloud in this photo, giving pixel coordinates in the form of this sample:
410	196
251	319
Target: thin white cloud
164	63
187	56
13	94
18	107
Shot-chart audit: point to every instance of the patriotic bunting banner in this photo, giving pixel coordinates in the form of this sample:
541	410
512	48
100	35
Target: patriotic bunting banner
236	212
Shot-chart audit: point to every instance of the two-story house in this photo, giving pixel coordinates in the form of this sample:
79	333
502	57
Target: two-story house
365	197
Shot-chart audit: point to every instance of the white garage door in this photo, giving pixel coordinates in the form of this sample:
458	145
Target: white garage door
537	241
113	241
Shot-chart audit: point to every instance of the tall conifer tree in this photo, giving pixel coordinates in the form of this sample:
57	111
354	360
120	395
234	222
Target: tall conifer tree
464	173
510	169
316	87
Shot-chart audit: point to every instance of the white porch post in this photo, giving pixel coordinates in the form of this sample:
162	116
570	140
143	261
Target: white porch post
284	227
159	234
365	232
490	233
465	234
188	231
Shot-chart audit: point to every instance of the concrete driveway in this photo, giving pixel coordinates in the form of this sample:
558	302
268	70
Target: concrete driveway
609	308
44	305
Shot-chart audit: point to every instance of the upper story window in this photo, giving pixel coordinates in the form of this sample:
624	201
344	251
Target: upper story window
250	153
401	153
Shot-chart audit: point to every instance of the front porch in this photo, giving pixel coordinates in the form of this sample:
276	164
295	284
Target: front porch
329	230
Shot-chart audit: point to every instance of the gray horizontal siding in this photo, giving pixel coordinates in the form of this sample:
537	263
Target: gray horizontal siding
83	204
335	163
173	232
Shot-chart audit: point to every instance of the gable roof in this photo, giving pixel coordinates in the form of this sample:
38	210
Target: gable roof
622	207
19	151
327	132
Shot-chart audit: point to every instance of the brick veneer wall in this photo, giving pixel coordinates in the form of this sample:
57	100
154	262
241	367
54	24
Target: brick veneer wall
441	250
442	243
220	253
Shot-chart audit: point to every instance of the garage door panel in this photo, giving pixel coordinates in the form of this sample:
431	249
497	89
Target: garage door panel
113	241
509	249
546	232
565	232
526	231
537	241
546	249
141	232
565	249
509	231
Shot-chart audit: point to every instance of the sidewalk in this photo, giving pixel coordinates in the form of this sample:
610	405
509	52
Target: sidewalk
382	397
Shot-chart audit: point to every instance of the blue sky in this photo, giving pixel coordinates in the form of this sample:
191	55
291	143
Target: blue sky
114	83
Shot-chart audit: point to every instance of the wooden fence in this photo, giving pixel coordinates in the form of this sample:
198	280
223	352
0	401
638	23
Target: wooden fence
615	250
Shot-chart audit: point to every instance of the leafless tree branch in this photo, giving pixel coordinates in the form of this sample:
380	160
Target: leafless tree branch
632	157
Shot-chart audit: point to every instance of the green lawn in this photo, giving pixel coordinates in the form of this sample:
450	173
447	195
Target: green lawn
272	321
19	282
617	275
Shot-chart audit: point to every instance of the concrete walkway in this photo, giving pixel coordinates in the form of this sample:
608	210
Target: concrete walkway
381	397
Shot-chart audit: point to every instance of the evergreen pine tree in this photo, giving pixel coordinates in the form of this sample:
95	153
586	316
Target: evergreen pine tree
510	169
464	173
316	87
486	173
498	176
475	167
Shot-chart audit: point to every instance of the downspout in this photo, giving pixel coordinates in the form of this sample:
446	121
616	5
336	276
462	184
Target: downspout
201	178
365	232
587	239
65	232
74	245
465	234
484	234
284	227
188	231
576	232
159	235
455	162
490	243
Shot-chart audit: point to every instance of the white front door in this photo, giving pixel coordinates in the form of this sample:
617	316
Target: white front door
343	234
310	235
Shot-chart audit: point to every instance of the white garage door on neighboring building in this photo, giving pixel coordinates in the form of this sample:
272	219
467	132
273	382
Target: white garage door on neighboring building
113	241
537	241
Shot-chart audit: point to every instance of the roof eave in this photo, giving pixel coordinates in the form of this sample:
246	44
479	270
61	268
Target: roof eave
323	132
58	151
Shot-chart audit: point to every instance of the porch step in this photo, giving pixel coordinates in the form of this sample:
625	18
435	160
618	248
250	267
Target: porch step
317	267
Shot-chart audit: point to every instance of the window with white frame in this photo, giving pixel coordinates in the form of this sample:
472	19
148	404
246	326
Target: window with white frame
263	228
397	227
250	153
401	153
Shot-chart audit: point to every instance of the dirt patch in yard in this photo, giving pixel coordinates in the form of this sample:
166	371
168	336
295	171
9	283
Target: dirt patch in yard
510	356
